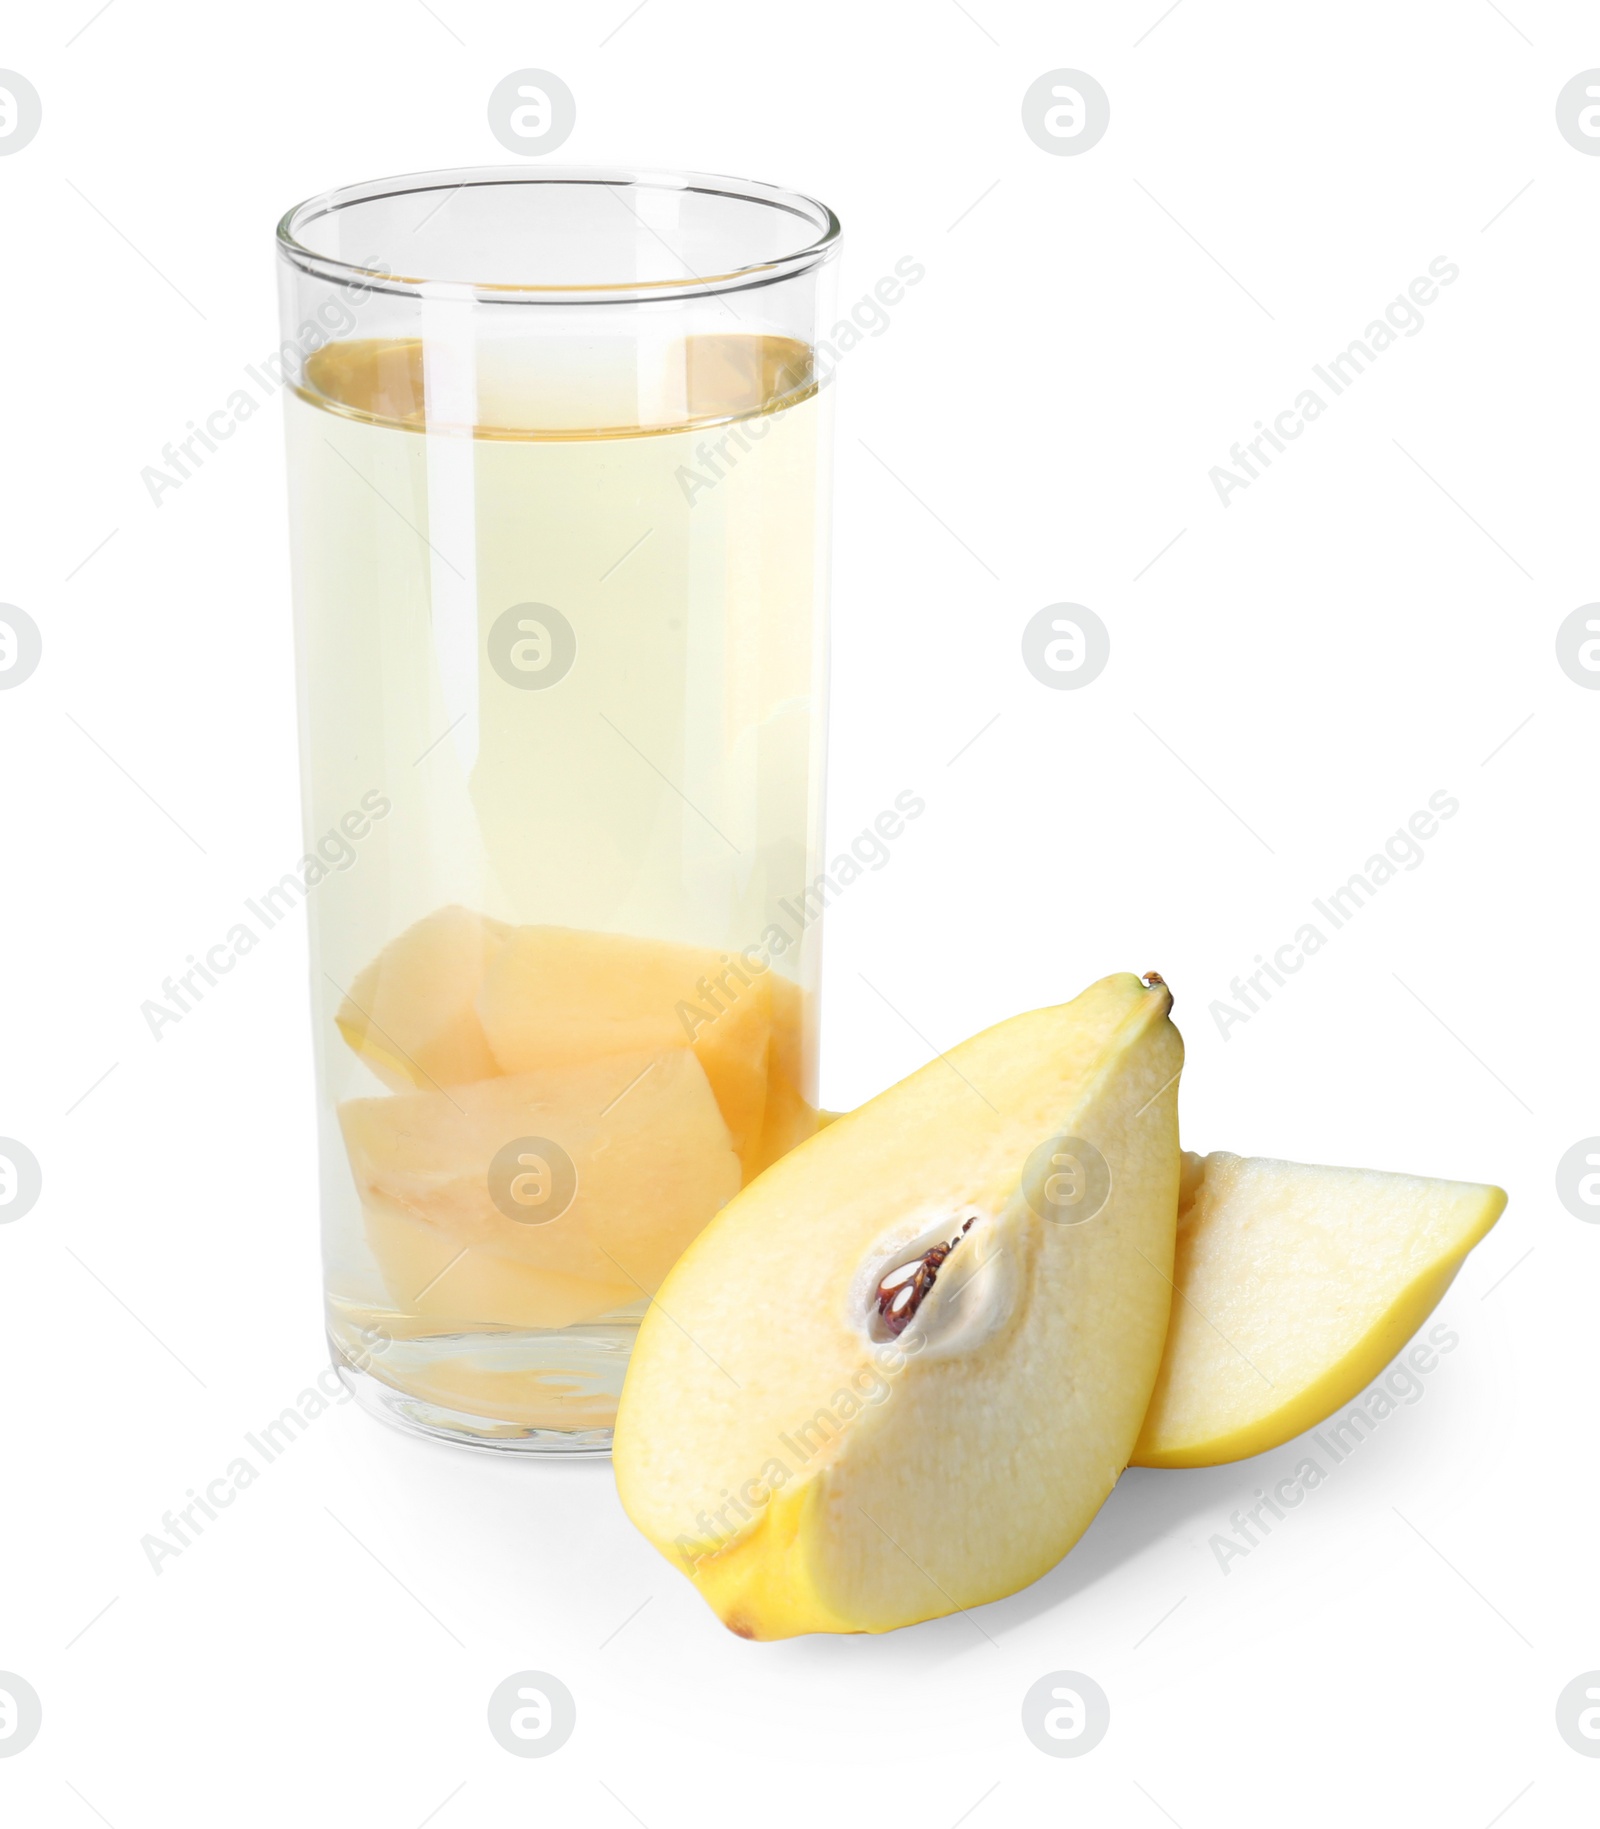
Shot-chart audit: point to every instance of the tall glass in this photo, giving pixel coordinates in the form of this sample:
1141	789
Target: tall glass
558	465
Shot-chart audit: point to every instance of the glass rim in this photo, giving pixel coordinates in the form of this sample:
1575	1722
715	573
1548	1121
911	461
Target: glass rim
822	244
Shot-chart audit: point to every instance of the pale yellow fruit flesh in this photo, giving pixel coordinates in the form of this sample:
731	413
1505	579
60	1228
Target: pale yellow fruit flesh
566	1013
788	1118
411	1014
553	995
809	1485
432	1276
787	1122
460	997
1297	1285
654	1162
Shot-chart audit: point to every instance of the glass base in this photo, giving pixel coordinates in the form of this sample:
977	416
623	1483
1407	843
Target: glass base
522	1393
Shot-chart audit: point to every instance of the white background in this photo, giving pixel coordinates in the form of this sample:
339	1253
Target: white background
1341	641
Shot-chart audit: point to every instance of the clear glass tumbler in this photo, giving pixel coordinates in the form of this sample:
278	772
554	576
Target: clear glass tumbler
558	463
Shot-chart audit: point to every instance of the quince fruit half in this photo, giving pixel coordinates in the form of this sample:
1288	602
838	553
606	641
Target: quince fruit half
899	1373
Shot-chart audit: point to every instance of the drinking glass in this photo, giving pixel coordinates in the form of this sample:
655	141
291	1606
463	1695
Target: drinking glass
558	452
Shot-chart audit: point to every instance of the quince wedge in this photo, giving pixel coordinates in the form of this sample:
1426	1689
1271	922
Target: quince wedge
900	1372
411	1014
789	1117
650	1162
554	995
1296	1287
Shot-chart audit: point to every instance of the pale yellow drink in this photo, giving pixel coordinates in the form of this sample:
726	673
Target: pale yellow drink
557	611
